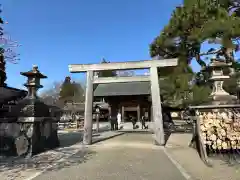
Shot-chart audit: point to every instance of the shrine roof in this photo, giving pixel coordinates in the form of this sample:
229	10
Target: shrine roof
9	93
81	106
123	89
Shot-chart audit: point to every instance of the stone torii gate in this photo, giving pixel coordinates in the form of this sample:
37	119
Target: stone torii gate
131	65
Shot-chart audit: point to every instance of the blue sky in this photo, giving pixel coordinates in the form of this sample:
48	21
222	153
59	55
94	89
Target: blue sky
55	33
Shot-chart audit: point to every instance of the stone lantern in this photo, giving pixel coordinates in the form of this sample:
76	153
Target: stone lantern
219	95
33	81
36	130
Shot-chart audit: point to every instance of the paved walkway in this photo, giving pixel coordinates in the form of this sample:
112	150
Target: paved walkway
128	156
71	152
177	147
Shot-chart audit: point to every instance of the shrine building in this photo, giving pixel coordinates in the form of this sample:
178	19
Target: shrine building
128	98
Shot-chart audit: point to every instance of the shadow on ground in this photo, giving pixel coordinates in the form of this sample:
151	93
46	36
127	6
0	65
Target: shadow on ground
103	129
98	138
182	129
48	161
229	159
69	139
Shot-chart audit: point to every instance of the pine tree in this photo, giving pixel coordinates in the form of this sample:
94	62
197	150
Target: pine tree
79	92
3	76
7	52
71	91
106	73
195	22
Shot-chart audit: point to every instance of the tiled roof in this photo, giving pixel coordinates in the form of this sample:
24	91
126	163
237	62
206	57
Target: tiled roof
8	94
121	89
81	106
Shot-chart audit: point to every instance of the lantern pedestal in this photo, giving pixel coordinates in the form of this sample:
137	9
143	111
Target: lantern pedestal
29	124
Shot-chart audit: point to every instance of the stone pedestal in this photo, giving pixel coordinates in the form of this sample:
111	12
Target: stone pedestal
28	136
28	128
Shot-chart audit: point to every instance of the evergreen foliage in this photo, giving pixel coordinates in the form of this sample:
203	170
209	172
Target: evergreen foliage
6	52
195	22
106	73
3	76
71	91
192	24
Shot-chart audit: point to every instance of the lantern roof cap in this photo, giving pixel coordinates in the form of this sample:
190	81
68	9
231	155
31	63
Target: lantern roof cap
34	73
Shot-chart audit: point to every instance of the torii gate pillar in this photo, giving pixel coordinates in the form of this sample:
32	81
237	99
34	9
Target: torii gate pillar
157	107
88	117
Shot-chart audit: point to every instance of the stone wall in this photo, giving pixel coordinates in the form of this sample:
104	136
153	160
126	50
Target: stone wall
27	138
